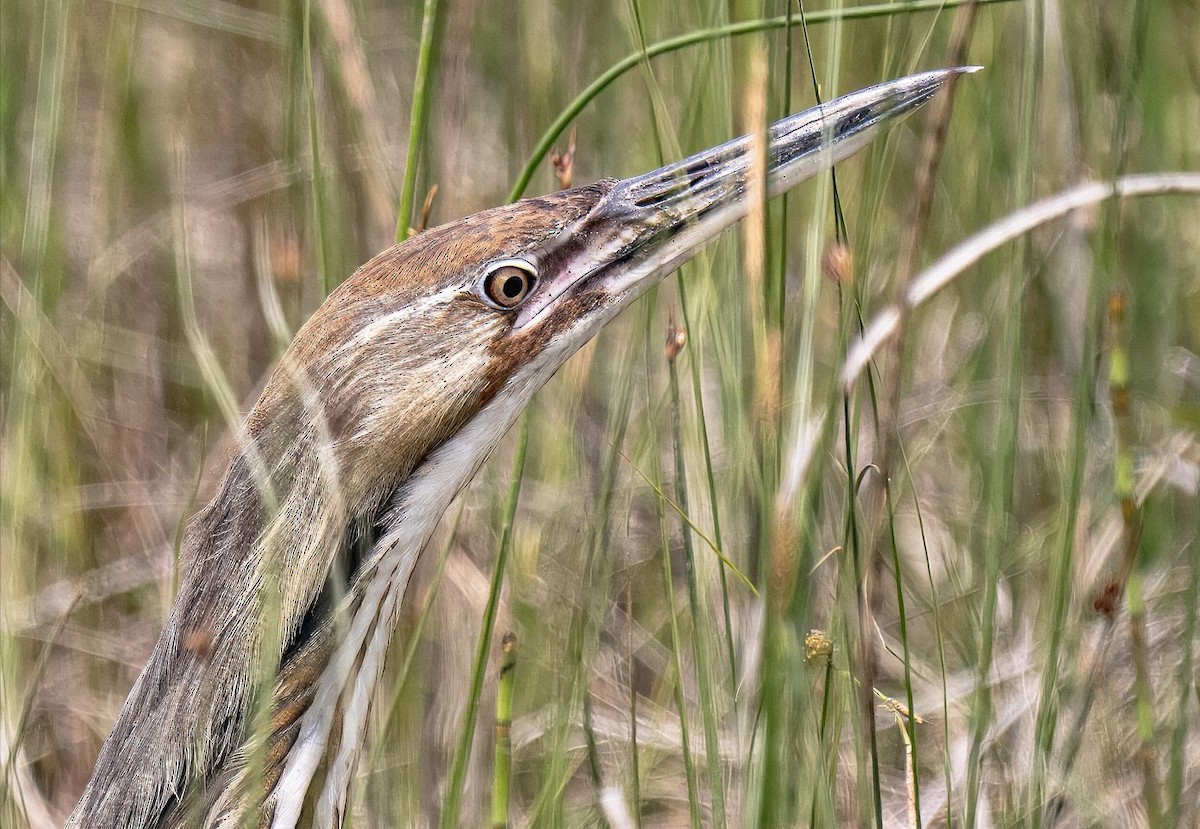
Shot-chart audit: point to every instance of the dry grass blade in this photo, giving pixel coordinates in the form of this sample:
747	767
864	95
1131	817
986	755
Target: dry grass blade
962	256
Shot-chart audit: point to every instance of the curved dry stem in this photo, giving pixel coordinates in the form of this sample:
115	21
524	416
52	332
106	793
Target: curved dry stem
965	254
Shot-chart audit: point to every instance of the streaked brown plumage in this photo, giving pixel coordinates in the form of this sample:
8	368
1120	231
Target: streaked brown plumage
383	407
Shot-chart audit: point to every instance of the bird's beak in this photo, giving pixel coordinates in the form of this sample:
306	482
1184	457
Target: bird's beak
645	227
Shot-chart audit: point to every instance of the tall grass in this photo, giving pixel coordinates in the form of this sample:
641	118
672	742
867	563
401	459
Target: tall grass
181	184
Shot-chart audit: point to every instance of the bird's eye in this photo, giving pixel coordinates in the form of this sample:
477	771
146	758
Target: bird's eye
507	283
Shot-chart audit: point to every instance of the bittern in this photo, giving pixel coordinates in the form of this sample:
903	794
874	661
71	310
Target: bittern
381	410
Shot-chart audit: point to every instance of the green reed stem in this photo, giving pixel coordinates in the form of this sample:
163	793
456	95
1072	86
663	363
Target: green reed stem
1179	767
714	505
502	767
462	753
1000	482
416	119
1124	490
712	747
319	196
663	47
821	795
22	721
677	663
908	721
938	634
1103	263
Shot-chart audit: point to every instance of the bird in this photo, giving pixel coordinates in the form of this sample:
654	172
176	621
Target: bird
379	412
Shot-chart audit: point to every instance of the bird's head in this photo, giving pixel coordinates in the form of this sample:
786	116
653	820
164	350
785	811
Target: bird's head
425	335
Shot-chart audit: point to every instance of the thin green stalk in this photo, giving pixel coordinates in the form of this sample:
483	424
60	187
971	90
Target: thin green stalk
863	685
1178	770
21	477
712	749
1104	263
416	119
48	115
821	795
910	715
589	734
599	546
1143	693
452	804
1060	590
1001	480
9	763
694	364
714	504
772	799
1143	696
1123	489
502	768
676	647
1092	682
779	300
865	663
635	783
209	363
712	545
865	602
674	44
677	664
938	636
781	282
557	775
319	196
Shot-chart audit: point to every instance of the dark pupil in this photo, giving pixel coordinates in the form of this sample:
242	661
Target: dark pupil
512	287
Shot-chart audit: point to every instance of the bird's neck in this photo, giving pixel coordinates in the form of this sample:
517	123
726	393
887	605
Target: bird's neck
354	669
296	576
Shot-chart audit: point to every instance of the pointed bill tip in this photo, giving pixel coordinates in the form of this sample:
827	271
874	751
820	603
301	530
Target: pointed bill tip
931	78
951	71
666	214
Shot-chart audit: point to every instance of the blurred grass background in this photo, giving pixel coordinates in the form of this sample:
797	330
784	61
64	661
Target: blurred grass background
162	232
